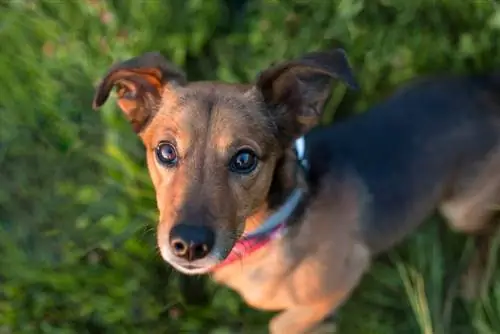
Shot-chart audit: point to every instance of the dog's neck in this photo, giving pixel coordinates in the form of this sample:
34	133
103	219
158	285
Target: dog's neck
275	225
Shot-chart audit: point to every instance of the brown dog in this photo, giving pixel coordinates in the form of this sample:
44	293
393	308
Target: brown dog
290	216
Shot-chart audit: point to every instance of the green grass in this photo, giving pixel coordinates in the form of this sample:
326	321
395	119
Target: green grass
77	209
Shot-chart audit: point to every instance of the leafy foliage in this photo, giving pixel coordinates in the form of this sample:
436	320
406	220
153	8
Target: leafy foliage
77	209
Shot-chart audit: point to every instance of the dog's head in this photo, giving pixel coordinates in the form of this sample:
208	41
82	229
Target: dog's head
219	154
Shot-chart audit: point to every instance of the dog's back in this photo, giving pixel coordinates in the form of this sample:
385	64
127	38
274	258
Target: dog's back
415	151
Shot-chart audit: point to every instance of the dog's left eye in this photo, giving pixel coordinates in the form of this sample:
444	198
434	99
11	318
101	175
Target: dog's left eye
166	154
243	162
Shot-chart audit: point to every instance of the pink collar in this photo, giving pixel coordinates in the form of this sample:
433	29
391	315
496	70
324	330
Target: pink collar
246	246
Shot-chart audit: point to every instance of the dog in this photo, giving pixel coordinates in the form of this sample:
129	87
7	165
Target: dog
253	190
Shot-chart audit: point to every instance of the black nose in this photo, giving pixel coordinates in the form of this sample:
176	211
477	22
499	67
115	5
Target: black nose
191	242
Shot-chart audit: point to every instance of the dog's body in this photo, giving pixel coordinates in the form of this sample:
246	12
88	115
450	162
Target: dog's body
434	144
364	184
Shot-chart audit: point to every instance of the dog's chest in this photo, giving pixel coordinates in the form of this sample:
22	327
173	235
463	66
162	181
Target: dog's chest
274	277
258	277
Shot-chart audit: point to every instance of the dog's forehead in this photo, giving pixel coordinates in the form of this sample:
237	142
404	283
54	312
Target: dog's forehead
218	108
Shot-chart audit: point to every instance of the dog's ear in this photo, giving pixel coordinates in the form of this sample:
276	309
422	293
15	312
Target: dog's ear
296	91
139	82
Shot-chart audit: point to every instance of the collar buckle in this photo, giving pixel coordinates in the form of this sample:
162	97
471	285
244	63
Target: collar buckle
300	150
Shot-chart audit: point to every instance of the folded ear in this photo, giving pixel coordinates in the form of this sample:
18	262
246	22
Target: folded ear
139	82
296	91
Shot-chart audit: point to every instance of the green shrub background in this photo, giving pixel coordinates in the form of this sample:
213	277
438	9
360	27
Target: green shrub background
77	211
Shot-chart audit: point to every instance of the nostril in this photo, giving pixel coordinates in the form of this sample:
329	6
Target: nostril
191	242
179	247
200	251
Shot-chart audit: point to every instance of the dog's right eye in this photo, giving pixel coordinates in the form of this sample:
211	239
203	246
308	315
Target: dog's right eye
166	154
243	162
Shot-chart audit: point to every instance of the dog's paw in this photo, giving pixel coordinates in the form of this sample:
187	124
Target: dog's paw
326	328
476	280
470	281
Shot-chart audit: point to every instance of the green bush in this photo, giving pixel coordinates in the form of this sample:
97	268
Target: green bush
77	211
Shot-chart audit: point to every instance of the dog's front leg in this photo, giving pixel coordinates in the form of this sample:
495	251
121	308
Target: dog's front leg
304	318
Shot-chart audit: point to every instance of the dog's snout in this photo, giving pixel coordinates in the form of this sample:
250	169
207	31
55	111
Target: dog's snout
191	242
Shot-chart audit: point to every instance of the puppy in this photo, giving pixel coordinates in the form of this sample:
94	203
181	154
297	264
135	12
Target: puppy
288	213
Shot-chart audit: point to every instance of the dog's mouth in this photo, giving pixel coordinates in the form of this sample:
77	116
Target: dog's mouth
191	269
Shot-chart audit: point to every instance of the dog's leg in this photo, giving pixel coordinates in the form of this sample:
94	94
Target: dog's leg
472	210
477	277
305	318
481	226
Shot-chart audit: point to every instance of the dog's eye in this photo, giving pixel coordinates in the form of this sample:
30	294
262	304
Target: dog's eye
243	162
166	154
